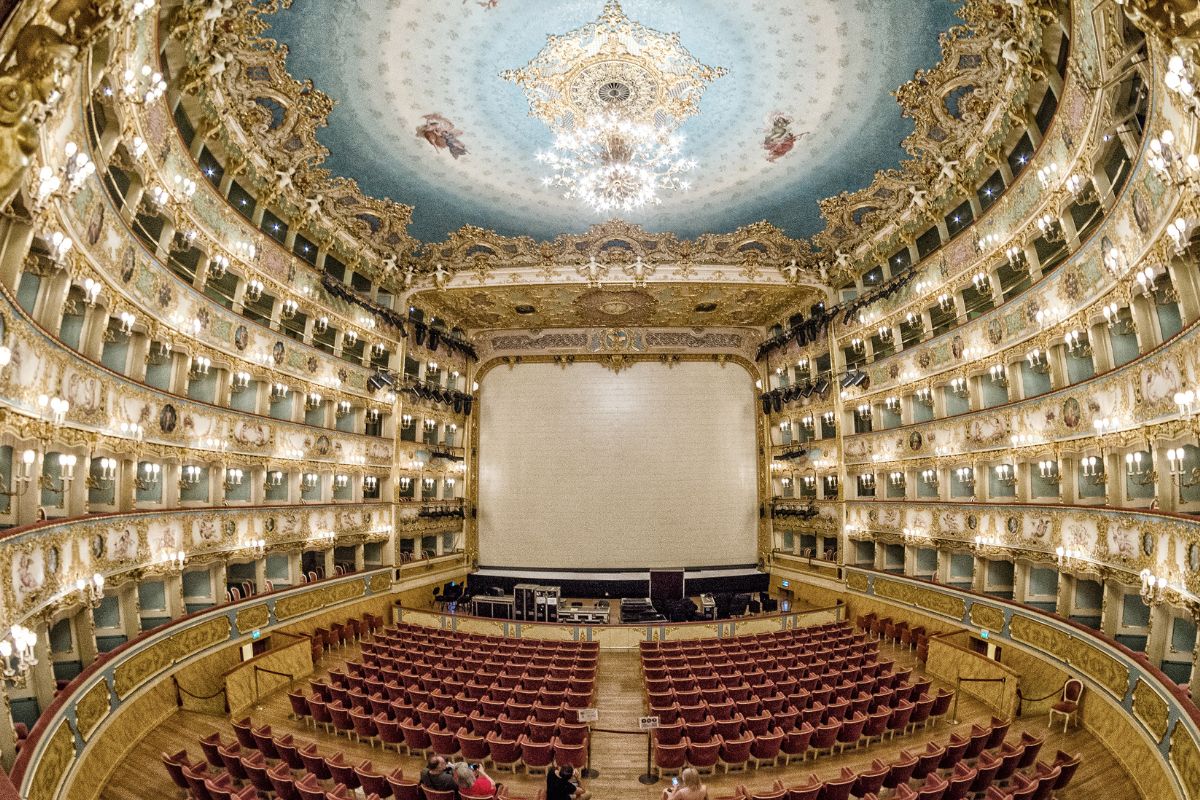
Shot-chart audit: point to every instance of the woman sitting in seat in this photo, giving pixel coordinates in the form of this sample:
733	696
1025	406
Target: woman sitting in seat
689	788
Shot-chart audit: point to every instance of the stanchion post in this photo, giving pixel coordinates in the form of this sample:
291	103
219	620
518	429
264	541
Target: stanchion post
957	692
649	779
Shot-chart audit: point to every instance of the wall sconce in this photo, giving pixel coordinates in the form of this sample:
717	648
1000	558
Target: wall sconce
1077	344
828	418
988	544
1048	470
981	281
1179	80
341	481
169	561
21	478
91	592
1006	475
313	400
1037	361
350	339
810	484
831	484
929	477
342	409
143	85
126	321
1049	225
185	186
372	415
189	476
199	367
406	420
377	350
149	476
924	396
866	480
863	411
323	538
431	425
915	534
785	427
958	387
66	472
321	325
987	242
1092	468
807	422
106	475
1177	229
1141	471
1119	323
885	333
288	309
279	391
56	407
1183	480
857	345
896	479
998	376
370	484
17	654
272	478
233	477
91	292
945	302
308	481
218	267
802	367
405	483
246	251
254	290
892	404
1153	587
1015	255
1114	261
238	382
1048	174
966	476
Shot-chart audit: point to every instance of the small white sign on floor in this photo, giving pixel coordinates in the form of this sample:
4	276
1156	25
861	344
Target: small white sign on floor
647	723
587	714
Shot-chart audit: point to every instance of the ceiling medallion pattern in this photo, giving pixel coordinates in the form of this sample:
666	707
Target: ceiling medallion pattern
266	122
614	92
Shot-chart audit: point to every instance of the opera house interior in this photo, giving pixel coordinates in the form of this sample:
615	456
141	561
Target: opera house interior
544	399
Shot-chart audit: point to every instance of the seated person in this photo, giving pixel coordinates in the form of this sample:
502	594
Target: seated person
472	780
689	788
563	785
439	775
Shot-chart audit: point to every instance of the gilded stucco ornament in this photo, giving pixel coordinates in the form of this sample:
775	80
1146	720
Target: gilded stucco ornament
237	72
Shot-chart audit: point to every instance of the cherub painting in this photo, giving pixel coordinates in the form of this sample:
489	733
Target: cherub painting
779	139
441	133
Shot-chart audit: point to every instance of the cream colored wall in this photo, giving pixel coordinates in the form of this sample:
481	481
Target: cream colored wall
650	466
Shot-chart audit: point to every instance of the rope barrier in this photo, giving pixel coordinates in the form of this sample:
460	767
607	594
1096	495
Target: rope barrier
1021	698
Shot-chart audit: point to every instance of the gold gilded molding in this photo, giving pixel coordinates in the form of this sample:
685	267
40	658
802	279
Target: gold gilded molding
154	659
253	617
91	709
1185	759
379	582
53	765
1039	636
857	581
295	605
1151	709
928	599
985	616
1103	668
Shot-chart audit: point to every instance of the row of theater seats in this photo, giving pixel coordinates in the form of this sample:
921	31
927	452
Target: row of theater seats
885	629
781	695
262	764
339	634
953	770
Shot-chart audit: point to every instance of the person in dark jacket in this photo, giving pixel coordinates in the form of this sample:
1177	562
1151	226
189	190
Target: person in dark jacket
563	785
439	775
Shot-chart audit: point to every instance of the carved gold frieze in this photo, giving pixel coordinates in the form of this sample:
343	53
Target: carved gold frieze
91	709
1185	758
1150	708
139	668
251	618
985	616
857	581
296	605
379	583
55	760
928	599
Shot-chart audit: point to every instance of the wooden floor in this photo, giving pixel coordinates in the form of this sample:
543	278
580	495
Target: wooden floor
619	758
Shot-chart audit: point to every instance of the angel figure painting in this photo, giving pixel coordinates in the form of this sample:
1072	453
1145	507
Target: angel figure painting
441	133
779	139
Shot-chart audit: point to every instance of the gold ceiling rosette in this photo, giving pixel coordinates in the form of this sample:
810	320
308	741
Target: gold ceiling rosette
615	92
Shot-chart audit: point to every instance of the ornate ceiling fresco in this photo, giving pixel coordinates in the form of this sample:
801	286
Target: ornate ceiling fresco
422	115
410	103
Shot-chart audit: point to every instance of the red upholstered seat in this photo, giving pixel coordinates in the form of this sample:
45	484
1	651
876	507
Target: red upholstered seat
704	756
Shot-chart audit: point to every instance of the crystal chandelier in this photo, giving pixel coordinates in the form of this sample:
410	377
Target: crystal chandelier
614	165
615	93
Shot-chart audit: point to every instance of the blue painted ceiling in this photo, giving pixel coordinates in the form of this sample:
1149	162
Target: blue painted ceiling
826	67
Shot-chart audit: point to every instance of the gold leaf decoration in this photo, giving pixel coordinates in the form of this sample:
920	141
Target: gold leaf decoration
91	709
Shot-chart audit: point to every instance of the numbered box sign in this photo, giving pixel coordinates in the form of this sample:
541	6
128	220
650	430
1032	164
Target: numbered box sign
647	723
587	714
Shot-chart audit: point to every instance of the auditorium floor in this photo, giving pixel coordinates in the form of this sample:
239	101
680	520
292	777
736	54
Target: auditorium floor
619	758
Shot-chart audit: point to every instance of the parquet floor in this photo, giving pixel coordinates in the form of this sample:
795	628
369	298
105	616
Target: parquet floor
619	758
